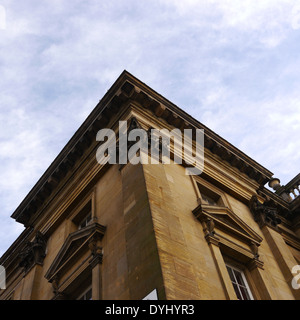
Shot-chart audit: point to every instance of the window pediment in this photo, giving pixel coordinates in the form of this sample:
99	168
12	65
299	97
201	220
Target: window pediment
76	243
223	227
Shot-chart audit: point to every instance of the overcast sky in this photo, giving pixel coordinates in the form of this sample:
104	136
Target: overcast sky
233	65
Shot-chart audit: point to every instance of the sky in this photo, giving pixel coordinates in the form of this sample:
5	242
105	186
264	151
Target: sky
233	65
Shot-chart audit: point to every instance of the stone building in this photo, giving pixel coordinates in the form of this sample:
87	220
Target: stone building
124	231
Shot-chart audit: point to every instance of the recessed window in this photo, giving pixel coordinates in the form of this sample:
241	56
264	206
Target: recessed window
239	283
80	288
84	216
86	220
209	197
208	200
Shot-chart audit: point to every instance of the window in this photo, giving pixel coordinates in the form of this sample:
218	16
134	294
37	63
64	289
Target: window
239	283
209	197
86	220
208	200
83	216
208	194
87	295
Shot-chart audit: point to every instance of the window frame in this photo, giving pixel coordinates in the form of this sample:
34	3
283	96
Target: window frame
244	279
86	220
208	199
228	235
213	191
82	211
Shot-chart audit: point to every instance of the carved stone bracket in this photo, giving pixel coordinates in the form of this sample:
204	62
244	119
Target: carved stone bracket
33	253
255	263
208	225
254	249
264	213
96	249
55	285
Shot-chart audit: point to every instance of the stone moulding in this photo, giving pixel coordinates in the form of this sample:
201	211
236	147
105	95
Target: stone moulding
218	222
87	238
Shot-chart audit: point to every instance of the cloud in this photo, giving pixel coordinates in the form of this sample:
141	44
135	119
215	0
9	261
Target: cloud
2	18
230	64
267	22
